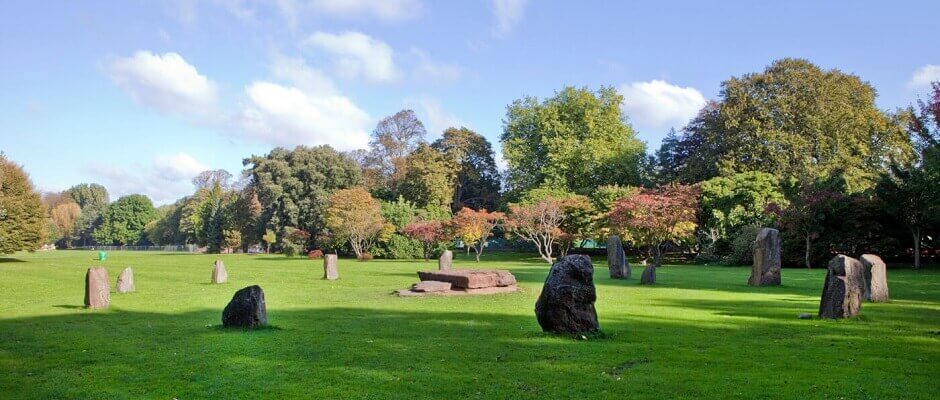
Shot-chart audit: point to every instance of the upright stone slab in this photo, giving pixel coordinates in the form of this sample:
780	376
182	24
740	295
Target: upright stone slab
219	275
566	304
649	275
125	281
842	290
329	267
616	259
766	269
877	274
446	261
246	309
97	288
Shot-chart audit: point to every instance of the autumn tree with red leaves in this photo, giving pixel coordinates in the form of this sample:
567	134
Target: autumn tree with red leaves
655	217
430	233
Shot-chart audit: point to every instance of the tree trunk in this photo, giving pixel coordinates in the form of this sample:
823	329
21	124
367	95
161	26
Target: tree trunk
658	256
916	232
806	256
478	251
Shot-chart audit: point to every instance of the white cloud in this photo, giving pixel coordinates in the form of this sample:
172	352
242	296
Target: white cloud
166	179
924	76
294	11
180	166
287	116
295	71
357	55
659	104
435	118
508	13
426	68
165	82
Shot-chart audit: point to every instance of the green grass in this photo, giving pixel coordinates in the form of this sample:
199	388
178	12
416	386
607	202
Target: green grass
701	333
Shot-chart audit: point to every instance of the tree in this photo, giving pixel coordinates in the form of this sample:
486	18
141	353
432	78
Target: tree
575	141
808	214
478	180
165	230
64	216
474	227
269	237
294	186
604	197
393	139
655	217
732	203
231	239
800	123
353	215
429	178
430	233
690	156
93	200
538	222
246	214
21	214
124	221
208	179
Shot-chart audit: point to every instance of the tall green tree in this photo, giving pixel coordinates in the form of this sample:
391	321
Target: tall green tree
124	221
22	222
294	186
576	140
478	180
429	178
93	200
800	123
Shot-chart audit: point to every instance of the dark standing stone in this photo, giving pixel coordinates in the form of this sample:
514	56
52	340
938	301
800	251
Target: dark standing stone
329	267
219	274
616	259
766	269
125	281
842	290
649	275
446	261
567	300
246	310
97	288
877	278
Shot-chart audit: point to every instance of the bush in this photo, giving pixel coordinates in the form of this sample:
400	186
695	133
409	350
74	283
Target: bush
315	254
742	246
365	256
398	247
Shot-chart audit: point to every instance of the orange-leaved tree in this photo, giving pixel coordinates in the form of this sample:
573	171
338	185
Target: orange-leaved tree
353	215
430	233
475	227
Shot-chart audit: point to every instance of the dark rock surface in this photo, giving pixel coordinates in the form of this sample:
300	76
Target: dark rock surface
566	304
246	310
616	259
842	290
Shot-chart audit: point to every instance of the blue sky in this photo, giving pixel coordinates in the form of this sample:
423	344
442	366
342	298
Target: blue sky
142	95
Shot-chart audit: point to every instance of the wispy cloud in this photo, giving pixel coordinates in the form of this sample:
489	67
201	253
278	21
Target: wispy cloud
659	104
508	13
924	76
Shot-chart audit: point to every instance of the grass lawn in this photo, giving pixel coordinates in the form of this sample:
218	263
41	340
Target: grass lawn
701	332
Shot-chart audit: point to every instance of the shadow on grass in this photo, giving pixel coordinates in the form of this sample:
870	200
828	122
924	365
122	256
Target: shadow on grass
10	260
343	352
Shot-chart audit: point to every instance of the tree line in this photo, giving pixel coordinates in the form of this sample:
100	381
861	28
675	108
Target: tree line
794	146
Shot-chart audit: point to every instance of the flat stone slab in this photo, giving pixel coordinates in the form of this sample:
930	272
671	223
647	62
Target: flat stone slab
459	292
470	278
431	286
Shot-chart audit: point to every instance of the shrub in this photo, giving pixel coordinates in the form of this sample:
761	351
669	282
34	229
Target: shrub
290	249
742	246
365	256
315	254
398	247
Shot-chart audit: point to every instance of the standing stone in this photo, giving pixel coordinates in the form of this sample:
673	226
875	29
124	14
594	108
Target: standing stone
125	281
329	267
445	262
246	310
616	259
842	290
567	300
97	288
877	274
649	275
766	269
219	275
